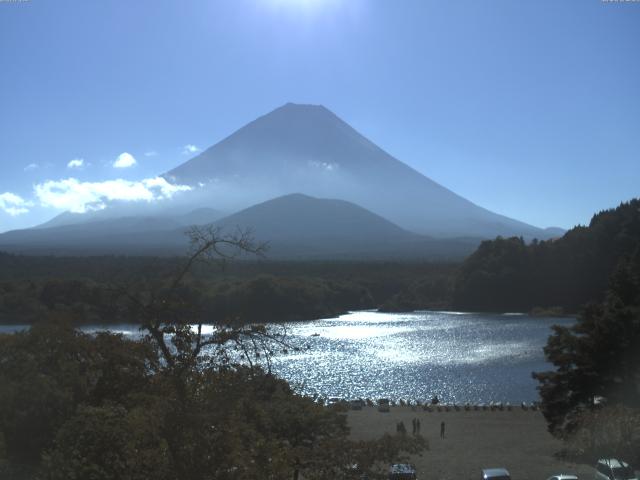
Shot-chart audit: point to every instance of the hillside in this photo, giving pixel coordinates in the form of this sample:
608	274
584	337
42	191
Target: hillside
506	274
295	227
300	226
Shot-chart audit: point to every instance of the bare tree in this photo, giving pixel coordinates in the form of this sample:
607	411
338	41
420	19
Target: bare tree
173	319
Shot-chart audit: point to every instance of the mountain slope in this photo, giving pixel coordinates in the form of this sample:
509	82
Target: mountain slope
297	226
308	149
298	216
294	226
71	233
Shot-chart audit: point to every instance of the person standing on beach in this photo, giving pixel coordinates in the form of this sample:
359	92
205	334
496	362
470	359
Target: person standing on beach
413	425
442	430
418	426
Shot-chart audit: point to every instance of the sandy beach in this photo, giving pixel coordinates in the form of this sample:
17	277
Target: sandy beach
516	440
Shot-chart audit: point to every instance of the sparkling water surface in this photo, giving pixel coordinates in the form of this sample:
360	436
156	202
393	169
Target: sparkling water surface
460	357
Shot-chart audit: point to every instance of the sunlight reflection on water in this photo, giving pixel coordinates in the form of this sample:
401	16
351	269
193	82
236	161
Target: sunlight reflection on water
457	356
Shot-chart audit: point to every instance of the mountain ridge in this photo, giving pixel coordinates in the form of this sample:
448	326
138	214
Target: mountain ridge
309	149
295	226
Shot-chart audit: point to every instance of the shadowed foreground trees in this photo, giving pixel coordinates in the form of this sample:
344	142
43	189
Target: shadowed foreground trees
94	414
177	403
599	356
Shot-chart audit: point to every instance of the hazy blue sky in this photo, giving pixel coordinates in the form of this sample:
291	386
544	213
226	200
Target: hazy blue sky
528	108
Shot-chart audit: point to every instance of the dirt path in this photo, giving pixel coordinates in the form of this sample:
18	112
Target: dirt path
516	440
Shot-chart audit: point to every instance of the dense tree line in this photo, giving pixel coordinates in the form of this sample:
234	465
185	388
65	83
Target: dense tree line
88	289
507	274
264	298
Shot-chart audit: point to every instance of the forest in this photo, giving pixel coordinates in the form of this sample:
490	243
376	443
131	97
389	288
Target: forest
176	404
90	289
507	274
592	397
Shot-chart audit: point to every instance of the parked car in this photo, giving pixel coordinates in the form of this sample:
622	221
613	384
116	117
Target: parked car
383	404
495	474
563	476
402	471
614	469
357	404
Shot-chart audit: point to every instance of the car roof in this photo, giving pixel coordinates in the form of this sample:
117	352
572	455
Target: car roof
613	462
495	472
402	468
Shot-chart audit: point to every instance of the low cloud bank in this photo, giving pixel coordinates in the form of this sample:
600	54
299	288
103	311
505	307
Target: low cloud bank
79	197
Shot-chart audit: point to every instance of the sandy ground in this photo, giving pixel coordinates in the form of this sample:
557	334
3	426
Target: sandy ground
516	440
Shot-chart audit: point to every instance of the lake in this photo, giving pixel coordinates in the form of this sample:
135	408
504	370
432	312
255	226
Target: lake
460	357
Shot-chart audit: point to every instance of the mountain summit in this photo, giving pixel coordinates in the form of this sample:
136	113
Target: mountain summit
308	149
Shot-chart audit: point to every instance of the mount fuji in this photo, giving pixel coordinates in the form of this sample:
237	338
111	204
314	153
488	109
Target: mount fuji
296	162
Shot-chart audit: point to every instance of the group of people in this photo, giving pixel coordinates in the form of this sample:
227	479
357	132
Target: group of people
415	424
415	427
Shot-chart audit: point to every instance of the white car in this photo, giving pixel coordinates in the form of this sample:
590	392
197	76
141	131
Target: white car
614	469
495	474
563	476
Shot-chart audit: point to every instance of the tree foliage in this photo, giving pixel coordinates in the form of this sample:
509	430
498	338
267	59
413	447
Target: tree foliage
178	403
597	362
507	274
256	291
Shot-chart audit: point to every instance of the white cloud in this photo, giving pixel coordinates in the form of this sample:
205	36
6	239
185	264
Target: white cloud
190	149
328	166
13	204
76	163
31	167
79	197
124	160
151	153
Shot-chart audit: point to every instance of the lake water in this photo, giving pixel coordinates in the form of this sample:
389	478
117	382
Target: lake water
460	357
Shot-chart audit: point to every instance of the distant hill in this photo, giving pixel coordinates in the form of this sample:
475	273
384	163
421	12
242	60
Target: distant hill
308	149
508	275
298	217
154	235
122	214
295	226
